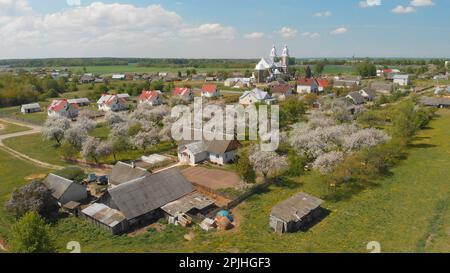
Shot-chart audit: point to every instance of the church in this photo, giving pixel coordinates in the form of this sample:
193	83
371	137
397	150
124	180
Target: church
269	68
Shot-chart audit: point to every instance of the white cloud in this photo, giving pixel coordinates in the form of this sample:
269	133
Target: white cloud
101	29
402	9
323	14
312	35
254	35
339	31
422	3
288	32
370	3
73	2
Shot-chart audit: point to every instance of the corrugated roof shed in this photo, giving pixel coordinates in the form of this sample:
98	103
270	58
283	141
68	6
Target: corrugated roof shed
31	106
104	214
296	207
143	195
185	204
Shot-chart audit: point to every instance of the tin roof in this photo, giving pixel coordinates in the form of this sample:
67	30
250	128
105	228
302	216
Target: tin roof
104	214
185	204
296	207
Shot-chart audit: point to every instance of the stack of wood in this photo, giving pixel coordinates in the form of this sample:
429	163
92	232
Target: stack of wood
184	220
223	223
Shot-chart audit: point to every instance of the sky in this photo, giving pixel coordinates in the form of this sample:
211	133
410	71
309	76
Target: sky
224	29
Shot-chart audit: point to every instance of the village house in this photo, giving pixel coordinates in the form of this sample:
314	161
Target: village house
30	108
281	91
382	87
62	108
296	213
356	98
255	96
118	77
123	172
435	102
153	98
65	190
382	72
111	103
307	86
79	101
219	152
87	78
368	94
140	200
210	91
402	80
183	93
323	84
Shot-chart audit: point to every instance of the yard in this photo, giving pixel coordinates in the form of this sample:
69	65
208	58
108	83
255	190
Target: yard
407	211
214	179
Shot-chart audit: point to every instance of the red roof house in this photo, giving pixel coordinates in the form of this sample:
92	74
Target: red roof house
153	97
210	90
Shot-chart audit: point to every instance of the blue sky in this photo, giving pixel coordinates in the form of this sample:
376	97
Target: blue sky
229	29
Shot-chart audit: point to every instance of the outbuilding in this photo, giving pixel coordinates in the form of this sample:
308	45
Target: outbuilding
295	213
30	108
65	190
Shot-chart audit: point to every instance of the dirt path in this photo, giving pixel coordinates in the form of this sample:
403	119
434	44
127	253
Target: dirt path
34	129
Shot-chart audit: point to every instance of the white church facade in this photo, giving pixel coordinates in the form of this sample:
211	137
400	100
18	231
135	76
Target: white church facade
269	68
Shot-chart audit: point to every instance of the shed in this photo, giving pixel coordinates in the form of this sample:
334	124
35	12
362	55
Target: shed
30	108
105	217
65	190
192	204
79	101
295	213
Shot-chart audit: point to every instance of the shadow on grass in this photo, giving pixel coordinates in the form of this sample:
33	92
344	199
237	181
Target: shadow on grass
322	213
348	190
422	146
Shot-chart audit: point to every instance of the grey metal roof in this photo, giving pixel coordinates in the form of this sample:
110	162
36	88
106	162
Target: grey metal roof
146	194
212	146
57	185
79	100
31	106
371	93
104	214
432	101
122	173
401	77
296	207
185	204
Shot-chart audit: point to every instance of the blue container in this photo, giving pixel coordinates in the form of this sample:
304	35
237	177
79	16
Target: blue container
224	213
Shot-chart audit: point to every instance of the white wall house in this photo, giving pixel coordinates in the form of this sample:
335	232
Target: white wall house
62	108
152	98
255	96
111	103
210	91
402	80
219	152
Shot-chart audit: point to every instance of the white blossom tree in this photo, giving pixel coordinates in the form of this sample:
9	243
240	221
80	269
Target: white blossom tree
55	127
364	139
267	162
326	163
89	149
145	139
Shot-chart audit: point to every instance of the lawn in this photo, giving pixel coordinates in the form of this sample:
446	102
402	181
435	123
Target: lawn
37	148
406	212
101	131
9	128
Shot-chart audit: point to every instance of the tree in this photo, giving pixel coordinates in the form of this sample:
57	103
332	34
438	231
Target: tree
266	162
55	127
144	139
34	197
296	164
31	234
326	163
245	168
319	67
105	149
308	73
89	149
366	69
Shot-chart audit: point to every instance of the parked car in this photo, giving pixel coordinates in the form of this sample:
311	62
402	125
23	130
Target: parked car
92	177
102	180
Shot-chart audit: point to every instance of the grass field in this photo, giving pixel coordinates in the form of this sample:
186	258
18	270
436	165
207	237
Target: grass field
12	172
37	148
9	128
406	212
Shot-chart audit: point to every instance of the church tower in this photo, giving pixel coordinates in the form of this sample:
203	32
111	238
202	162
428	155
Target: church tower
285	59
273	54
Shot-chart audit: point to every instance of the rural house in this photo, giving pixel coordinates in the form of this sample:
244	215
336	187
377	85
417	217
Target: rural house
210	91
140	200
153	98
30	108
281	91
356	98
306	86
87	78
183	93
219	152
382	87
111	103
368	94
122	173
255	96
323	84
435	102
402	80
63	108
65	190
295	213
